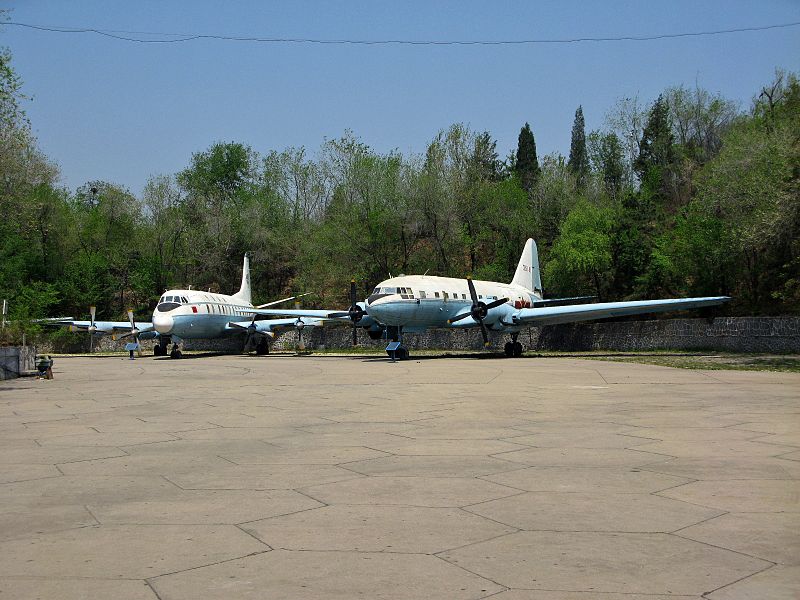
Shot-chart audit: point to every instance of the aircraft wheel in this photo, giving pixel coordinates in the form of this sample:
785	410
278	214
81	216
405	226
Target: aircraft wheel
509	349
517	349
175	353
262	348
402	353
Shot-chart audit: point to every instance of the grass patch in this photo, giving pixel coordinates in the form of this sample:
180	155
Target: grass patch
788	363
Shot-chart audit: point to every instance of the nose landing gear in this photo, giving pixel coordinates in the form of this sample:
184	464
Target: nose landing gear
398	352
160	349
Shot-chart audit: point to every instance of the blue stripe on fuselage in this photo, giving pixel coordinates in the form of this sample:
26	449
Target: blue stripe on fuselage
200	326
429	312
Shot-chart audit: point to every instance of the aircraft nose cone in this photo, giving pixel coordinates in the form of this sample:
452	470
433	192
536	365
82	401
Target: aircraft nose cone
162	323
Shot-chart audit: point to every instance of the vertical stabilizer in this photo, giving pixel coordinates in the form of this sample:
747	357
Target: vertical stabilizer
244	290
528	274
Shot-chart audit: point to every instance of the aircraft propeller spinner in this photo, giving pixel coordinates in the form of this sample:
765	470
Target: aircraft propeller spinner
479	310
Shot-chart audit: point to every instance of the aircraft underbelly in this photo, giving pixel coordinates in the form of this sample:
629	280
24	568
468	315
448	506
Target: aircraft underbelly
204	327
418	315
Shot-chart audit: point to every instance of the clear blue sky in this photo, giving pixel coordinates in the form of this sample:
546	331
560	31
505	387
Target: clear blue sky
119	111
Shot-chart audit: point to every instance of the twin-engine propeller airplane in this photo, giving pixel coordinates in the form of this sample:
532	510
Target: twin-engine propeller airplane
414	303
194	314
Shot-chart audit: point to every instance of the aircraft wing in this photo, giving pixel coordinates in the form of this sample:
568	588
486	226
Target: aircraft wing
102	327
551	315
296	312
268	325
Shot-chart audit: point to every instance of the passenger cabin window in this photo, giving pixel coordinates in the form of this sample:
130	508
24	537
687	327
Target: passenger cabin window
422	294
436	294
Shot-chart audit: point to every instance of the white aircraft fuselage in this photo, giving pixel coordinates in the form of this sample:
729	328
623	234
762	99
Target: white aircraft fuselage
192	314
422	301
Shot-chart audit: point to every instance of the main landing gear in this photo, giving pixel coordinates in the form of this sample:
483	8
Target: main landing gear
513	349
262	347
160	349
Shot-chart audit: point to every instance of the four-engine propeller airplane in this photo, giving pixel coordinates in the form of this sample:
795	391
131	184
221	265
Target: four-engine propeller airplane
414	303
194	314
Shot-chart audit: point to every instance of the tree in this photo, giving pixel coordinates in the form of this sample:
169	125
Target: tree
606	158
753	187
581	255
578	156
656	150
526	165
699	120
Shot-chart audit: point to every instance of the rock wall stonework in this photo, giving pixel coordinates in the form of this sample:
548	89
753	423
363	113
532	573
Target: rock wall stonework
732	334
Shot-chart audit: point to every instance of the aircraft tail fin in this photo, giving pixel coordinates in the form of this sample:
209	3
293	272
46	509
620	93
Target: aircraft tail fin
528	274
244	290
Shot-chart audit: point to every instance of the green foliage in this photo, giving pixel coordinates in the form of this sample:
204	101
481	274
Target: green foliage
606	158
582	252
34	300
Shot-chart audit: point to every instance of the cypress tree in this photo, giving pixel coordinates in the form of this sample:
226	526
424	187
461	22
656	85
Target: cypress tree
527	164
656	148
578	157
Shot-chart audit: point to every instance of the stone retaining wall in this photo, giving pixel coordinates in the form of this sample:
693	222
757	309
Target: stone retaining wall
731	334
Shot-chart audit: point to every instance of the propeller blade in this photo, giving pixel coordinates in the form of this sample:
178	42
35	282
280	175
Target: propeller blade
484	335
337	315
352	293
459	317
473	294
250	332
131	320
355	335
496	303
92	312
